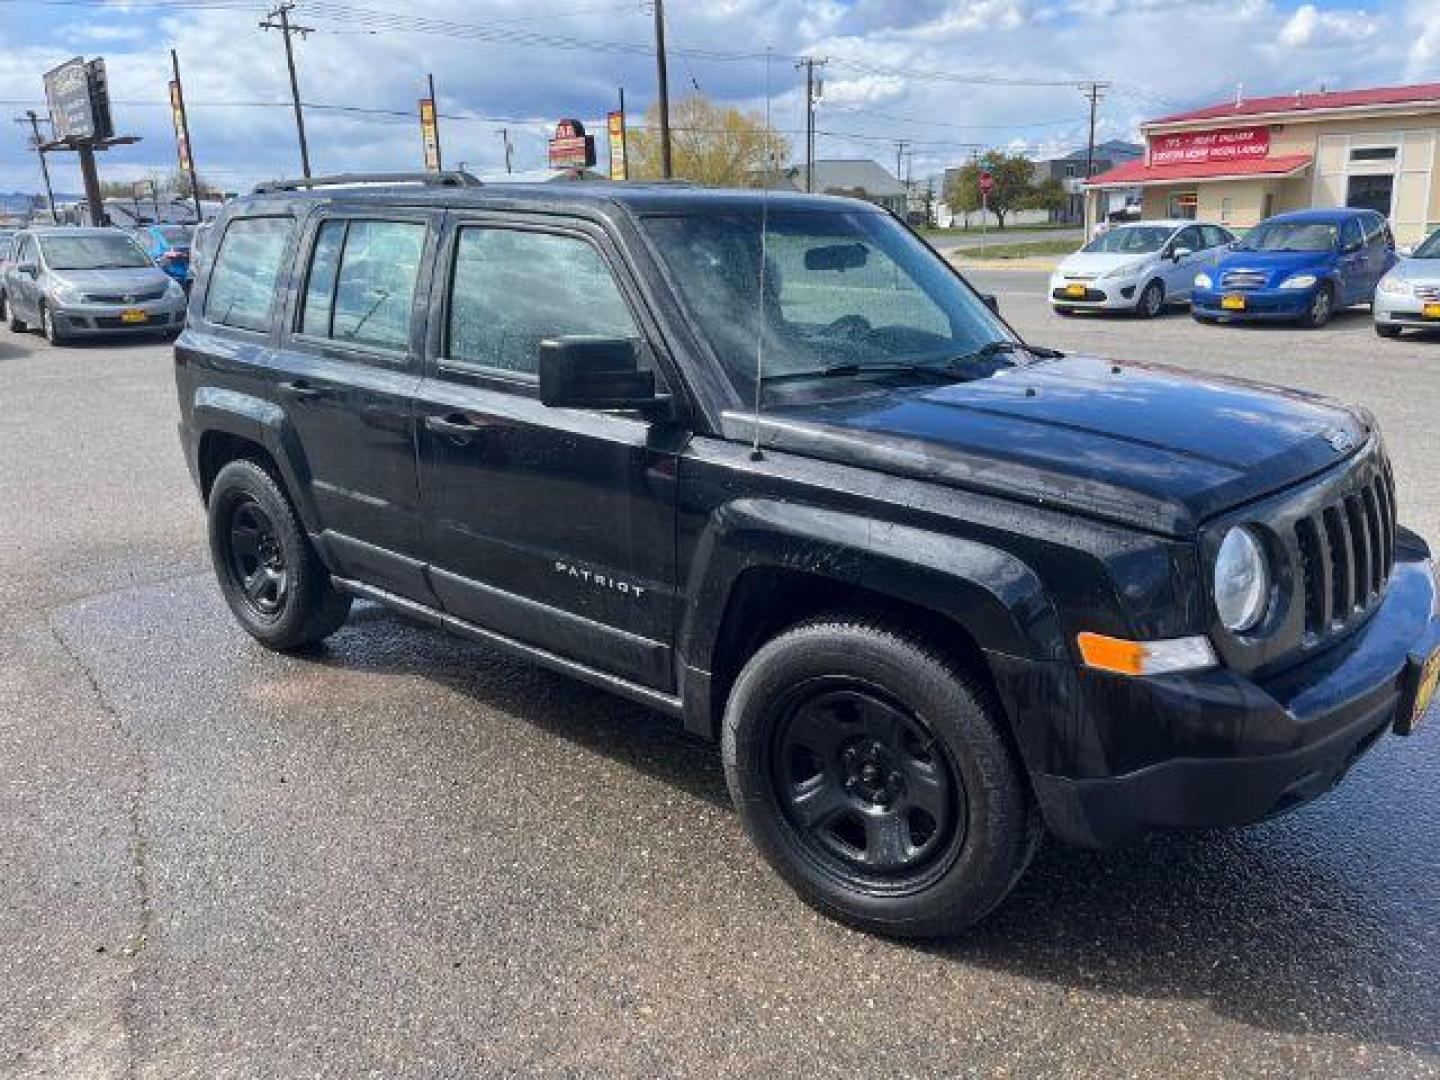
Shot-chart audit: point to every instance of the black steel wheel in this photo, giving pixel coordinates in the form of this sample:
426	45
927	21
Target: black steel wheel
875	775
268	571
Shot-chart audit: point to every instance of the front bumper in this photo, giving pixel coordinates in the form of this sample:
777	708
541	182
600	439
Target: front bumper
1215	748
1101	294
1402	311
78	320
1260	304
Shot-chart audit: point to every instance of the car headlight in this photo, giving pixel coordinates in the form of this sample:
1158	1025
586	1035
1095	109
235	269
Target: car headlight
1242	580
1127	270
1393	286
66	294
1203	281
1298	281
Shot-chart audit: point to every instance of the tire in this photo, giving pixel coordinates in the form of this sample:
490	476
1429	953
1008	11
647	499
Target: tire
1387	330
1067	312
921	820
268	571
17	326
1322	306
47	327
1152	300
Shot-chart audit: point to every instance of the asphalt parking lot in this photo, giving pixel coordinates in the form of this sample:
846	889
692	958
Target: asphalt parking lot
408	856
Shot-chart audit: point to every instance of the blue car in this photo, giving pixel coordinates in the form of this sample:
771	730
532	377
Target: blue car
1300	267
169	246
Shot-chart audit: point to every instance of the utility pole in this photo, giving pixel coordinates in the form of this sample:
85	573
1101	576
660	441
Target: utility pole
1092	91
505	138
900	145
666	164
179	106
812	94
435	104
282	13
34	122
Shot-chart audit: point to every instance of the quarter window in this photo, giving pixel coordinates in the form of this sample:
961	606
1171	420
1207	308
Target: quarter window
242	285
513	289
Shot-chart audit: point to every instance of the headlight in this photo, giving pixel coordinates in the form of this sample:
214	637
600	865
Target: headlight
1125	271
1202	281
1242	580
66	294
1393	286
1298	281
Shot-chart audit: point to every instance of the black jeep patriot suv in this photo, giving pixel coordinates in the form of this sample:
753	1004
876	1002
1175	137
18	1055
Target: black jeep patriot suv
768	464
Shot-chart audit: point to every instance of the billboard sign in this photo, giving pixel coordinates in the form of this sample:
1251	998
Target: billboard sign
615	125
571	148
429	135
67	93
1227	144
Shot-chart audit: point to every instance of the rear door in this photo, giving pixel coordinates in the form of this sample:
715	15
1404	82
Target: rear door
348	365
555	527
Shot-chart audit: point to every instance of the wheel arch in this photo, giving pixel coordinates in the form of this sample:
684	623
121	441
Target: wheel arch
233	426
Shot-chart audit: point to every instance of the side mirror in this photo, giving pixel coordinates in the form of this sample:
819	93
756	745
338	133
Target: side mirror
990	300
579	372
1180	253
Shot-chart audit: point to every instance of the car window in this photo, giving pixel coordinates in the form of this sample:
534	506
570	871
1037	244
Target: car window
512	289
320	282
1215	236
375	287
1350	233
242	285
1190	237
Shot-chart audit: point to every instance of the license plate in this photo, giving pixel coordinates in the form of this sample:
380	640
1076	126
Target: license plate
1232	303
1426	680
133	315
1430	311
1075	290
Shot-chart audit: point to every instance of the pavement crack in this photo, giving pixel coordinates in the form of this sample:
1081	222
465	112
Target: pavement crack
138	853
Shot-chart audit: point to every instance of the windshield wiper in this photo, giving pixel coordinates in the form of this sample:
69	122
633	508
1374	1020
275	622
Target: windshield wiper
846	371
992	349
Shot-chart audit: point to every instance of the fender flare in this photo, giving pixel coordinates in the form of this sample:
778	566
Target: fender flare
215	409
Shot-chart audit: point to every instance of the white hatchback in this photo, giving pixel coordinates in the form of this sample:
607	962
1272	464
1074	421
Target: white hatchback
1139	266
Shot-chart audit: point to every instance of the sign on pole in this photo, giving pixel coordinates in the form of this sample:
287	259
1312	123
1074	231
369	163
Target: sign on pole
571	148
67	93
615	124
987	182
429	135
182	141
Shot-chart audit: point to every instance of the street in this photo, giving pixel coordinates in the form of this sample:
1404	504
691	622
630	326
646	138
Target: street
408	855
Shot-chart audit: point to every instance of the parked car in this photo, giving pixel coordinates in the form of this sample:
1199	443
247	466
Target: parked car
169	247
769	465
1137	266
1300	267
78	281
1409	295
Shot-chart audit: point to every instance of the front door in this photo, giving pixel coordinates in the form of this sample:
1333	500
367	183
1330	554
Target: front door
555	527
349	365
1179	273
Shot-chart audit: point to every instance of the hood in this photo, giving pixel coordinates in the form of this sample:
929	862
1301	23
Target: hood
113	280
1144	445
1278	265
1096	263
1417	270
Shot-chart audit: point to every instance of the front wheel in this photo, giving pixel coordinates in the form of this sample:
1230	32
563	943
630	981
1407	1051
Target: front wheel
1152	301
1387	330
271	577
48	328
1321	307
873	774
7	314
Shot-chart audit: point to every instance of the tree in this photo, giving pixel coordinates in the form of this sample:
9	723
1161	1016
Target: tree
1049	194
711	145
1014	182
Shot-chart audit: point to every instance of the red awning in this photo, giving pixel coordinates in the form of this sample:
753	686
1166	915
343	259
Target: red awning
1138	174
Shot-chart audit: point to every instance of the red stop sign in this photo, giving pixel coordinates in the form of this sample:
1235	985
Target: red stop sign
987	182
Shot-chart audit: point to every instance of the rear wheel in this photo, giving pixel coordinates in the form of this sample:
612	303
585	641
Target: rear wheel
7	313
874	776
1388	330
1322	306
1152	300
268	572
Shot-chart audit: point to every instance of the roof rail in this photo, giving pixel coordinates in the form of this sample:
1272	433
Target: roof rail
448	178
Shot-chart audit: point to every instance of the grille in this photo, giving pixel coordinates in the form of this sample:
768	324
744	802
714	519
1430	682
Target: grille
1428	293
1244	279
124	298
1347	550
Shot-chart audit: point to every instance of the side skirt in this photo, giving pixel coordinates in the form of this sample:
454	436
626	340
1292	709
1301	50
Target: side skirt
644	695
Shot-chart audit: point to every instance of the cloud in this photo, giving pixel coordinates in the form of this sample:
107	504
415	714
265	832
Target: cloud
1331	29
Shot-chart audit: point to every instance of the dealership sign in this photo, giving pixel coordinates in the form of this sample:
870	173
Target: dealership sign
429	135
1229	144
615	125
79	100
571	148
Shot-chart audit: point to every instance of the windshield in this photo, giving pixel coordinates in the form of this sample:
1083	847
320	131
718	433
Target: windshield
176	235
97	251
1291	236
844	290
1130	240
1430	249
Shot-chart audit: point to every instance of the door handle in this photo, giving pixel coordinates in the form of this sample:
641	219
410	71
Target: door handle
454	427
301	390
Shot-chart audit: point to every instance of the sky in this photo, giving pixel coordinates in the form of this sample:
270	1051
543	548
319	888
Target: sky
944	76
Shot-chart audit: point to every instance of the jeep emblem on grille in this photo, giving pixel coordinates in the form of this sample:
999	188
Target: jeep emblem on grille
1339	439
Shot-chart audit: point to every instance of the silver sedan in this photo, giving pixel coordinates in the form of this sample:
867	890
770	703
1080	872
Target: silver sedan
75	282
1409	295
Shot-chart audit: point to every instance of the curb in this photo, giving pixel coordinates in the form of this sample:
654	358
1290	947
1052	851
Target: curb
1034	262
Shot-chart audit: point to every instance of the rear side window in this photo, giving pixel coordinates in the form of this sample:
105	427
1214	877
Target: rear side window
242	285
513	289
361	284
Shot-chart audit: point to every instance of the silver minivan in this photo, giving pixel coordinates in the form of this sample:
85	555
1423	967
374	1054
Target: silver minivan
73	282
